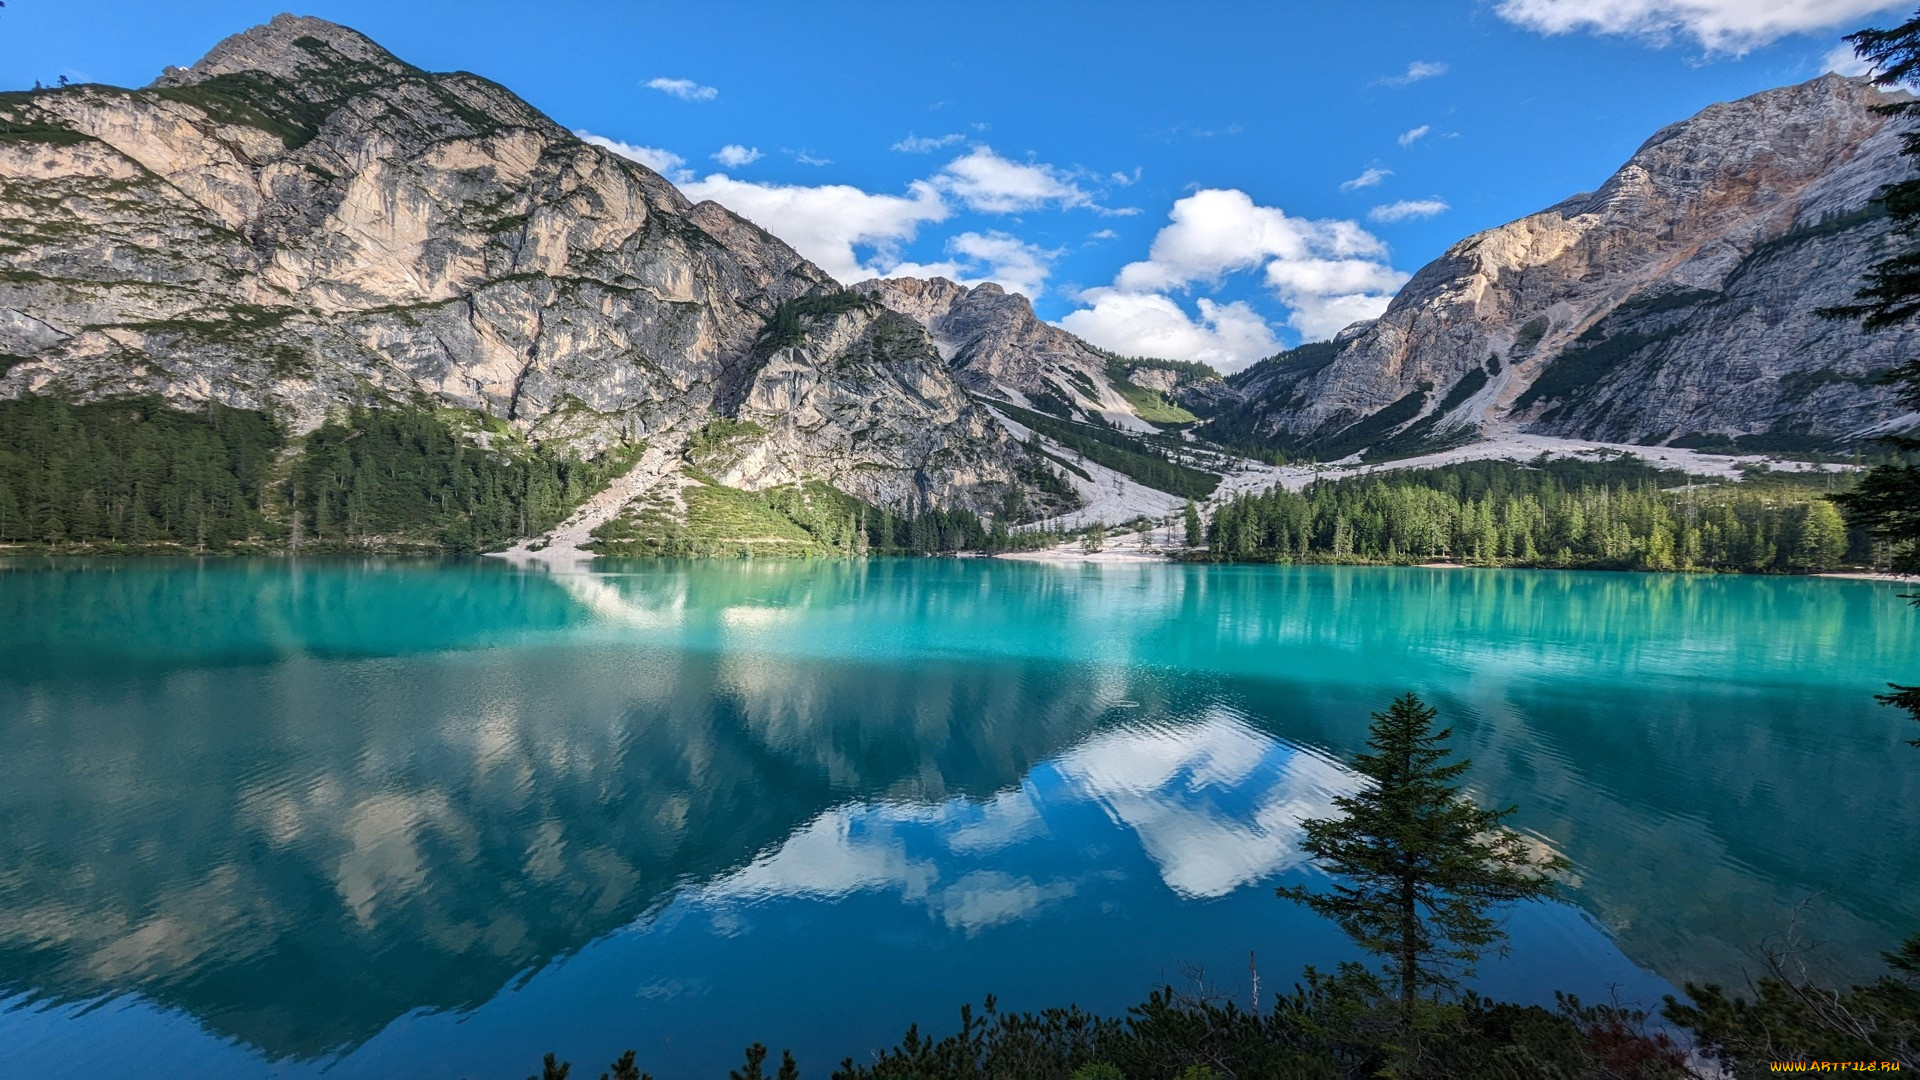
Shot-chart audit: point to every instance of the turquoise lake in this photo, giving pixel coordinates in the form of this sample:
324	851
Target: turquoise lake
364	819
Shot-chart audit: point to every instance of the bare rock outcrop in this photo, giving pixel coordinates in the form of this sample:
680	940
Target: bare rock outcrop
302	220
1676	303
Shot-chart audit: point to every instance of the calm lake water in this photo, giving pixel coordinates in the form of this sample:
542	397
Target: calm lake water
270	818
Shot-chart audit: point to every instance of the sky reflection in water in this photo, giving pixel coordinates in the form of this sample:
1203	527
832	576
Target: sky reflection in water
442	818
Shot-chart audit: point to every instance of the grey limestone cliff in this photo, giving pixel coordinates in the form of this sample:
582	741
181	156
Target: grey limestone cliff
1678	302
301	220
996	345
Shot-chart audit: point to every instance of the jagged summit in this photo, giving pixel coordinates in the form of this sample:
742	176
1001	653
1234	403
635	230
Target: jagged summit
301	221
993	340
287	46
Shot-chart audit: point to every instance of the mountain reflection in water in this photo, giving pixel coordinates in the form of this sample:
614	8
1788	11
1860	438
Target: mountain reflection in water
307	805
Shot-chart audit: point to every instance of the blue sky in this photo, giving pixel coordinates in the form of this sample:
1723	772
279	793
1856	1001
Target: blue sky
1200	180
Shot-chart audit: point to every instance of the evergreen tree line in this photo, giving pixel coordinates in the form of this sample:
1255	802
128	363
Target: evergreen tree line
926	531
388	475
139	472
1552	514
134	472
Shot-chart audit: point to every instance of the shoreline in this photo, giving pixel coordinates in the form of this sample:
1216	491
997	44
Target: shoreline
565	555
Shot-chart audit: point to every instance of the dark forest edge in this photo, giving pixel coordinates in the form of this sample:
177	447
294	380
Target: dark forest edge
1559	513
140	476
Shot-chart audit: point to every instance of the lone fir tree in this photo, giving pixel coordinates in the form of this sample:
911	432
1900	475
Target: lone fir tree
1417	864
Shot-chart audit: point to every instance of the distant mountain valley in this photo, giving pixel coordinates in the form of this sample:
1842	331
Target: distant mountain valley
303	293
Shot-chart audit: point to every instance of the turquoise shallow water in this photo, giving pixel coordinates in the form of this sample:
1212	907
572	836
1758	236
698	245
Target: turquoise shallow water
261	818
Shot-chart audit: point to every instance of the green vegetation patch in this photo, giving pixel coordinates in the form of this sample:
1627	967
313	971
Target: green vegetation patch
1611	343
1149	404
1617	514
20	121
1081	383
786	330
1765	442
1192	369
257	100
1470	384
1296	363
806	520
1582	365
1050	403
1530	334
1831	224
1363	433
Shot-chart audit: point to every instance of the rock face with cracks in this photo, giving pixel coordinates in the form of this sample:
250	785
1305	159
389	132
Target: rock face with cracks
1677	302
301	221
997	346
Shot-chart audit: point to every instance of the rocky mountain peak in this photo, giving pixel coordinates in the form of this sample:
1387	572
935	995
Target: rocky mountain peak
1676	302
289	46
302	221
996	344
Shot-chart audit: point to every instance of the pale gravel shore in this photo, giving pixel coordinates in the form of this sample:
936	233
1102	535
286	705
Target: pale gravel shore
1123	550
1502	444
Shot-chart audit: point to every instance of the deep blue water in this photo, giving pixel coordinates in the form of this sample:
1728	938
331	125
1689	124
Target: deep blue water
271	818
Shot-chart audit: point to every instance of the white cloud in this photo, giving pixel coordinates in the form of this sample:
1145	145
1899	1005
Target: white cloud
1318	318
1228	336
684	89
983	180
924	144
1408	208
1367	179
1419	69
825	223
1332	277
1841	58
1013	263
806	158
665	162
1004	259
1414	136
1126	179
1219	231
1323	271
1324	296
733	155
1103	234
1720	26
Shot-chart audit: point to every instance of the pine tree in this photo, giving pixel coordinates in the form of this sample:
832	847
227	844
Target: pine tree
1194	536
624	1069
1887	499
756	1056
1417	864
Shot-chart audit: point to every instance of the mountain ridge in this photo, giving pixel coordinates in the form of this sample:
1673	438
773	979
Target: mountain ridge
1697	227
301	221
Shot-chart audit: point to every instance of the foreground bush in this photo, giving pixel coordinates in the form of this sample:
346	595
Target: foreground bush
1332	1026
